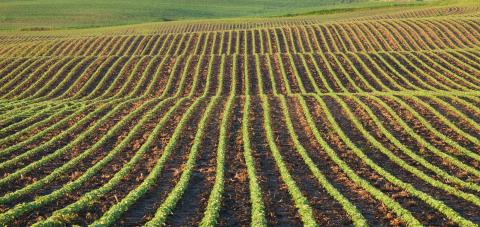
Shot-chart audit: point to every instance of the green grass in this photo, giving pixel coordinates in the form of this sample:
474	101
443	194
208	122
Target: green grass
57	14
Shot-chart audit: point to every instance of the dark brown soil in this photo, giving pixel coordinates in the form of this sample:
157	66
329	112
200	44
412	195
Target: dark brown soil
236	206
279	207
399	133
373	210
420	210
327	211
190	208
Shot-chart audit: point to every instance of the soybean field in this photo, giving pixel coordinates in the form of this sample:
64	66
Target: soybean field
371	120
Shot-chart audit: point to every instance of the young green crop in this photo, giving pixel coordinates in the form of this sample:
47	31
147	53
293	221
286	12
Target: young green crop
65	214
445	120
258	208
24	128
378	144
422	140
454	77
465	151
119	208
176	193
57	153
22	81
15	68
30	153
41	93
406	216
350	209
215	199
73	162
21	209
434	203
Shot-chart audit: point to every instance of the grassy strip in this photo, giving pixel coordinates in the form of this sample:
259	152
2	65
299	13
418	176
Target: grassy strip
366	7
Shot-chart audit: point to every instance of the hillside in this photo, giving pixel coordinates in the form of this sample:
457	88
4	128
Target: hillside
72	14
364	117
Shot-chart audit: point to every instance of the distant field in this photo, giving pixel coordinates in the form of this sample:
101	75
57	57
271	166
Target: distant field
47	14
340	118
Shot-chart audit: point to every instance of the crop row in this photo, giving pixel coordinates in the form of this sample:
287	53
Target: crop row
378	129
88	78
222	25
368	122
279	22
364	36
428	12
